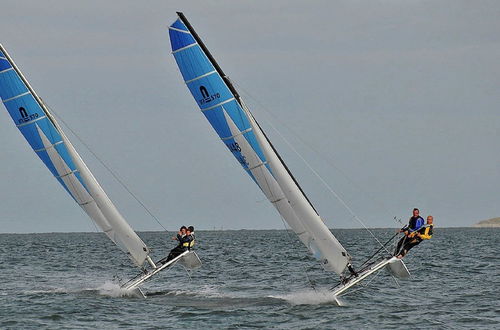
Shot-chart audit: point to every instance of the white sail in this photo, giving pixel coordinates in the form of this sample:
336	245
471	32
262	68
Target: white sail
322	242
268	184
120	232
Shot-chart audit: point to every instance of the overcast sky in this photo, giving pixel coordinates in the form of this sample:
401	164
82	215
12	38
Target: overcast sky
394	103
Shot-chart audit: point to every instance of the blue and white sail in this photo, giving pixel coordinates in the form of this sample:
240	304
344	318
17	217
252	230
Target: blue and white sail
237	128
49	142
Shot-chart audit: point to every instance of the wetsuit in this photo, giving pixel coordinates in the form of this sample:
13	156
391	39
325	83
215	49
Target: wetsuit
414	225
423	233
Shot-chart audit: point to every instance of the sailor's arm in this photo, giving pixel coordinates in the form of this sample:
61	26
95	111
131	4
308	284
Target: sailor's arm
427	234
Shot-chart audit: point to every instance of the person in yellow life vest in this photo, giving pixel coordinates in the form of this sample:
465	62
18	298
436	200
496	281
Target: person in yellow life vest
188	241
418	236
191	243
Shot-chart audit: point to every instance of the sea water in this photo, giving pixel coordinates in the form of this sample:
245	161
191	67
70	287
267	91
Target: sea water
249	279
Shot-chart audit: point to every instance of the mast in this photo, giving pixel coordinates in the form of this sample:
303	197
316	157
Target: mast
210	57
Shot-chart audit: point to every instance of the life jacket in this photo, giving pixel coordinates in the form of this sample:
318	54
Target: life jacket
191	244
426	232
415	224
188	241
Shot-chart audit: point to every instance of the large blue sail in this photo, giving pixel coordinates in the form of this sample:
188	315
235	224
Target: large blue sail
31	119
49	142
211	92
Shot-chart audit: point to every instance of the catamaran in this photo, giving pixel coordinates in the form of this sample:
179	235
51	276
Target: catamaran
44	134
235	125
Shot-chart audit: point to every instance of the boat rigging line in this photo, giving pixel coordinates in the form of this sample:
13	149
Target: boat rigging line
373	255
115	176
321	178
327	159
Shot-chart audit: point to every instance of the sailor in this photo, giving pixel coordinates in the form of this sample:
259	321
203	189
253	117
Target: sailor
188	239
423	233
414	224
191	231
180	234
179	248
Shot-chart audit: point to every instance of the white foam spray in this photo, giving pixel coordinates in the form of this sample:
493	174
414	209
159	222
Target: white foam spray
113	289
311	297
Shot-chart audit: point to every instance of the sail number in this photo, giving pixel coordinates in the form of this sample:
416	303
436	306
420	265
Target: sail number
236	149
243	160
209	98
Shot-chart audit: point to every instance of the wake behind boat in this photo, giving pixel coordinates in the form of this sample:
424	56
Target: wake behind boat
46	137
238	129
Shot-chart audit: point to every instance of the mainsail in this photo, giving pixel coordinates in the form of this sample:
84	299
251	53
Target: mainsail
49	142
237	128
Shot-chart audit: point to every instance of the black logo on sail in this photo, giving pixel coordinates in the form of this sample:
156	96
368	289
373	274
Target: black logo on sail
25	117
23	112
203	91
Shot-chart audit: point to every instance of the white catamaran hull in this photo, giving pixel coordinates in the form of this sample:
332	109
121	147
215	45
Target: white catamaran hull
394	265
188	259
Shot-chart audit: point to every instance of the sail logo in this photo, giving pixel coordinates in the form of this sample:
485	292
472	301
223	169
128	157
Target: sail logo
25	117
206	97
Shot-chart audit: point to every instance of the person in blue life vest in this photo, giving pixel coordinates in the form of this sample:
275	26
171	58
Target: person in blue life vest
414	239
414	224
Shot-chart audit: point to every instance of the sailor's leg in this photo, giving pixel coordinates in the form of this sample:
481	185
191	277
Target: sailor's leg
408	246
174	253
351	270
170	256
400	244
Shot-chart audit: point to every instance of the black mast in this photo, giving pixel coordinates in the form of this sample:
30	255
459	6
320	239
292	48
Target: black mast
237	97
210	57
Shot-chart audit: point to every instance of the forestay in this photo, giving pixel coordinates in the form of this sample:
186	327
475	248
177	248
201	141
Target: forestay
222	106
49	142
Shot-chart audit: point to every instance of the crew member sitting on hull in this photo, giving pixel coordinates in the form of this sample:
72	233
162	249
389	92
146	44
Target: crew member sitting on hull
416	237
179	237
414	224
184	245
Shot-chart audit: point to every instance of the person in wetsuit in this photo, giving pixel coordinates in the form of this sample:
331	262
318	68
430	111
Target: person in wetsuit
414	224
179	248
191	231
416	237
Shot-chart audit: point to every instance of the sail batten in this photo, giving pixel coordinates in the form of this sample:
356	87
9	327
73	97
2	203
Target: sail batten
15	97
49	142
223	107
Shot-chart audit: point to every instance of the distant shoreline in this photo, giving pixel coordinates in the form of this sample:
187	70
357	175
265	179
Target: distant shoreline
490	223
228	230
